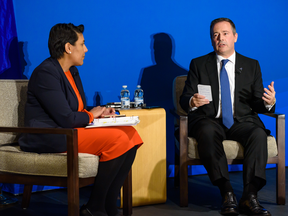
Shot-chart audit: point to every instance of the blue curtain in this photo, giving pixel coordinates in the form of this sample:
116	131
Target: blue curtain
10	67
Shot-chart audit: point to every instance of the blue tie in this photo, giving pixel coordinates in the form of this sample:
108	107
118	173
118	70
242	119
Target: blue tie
227	113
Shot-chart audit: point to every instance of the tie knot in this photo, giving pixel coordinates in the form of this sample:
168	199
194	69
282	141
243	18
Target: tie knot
224	62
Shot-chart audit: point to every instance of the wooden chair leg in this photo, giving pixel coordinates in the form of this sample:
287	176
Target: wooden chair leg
280	167
26	196
127	195
73	198
280	184
176	169
183	186
183	167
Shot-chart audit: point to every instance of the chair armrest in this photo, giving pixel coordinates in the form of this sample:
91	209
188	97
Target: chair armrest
183	139
183	133
280	126
71	137
69	132
275	115
37	130
280	133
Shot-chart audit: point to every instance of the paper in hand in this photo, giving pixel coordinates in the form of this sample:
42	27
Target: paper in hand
205	90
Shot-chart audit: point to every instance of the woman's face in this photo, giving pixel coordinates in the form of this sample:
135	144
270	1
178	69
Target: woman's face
78	51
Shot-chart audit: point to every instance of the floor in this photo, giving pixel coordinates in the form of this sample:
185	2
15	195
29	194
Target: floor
204	199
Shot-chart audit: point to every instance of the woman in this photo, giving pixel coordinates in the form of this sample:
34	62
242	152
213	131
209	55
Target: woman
56	98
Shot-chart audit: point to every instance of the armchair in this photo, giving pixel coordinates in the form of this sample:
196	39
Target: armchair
234	151
72	169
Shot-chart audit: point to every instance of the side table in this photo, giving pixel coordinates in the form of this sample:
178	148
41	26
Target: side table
149	168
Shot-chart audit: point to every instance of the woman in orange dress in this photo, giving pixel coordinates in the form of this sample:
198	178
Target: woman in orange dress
55	98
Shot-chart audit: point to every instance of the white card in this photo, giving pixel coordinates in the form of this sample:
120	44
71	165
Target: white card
205	90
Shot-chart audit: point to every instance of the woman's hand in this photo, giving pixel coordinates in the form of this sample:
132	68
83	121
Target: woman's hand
102	111
97	111
109	111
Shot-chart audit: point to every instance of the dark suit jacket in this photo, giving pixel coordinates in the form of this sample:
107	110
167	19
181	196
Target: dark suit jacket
248	89
52	103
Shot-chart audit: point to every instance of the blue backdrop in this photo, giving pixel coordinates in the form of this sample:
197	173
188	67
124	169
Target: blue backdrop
130	42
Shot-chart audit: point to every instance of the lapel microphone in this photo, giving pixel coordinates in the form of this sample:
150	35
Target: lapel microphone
239	70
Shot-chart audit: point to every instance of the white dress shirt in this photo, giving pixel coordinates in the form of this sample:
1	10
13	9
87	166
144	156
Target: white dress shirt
230	68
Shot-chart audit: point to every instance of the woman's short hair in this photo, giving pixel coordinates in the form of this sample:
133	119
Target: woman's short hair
60	34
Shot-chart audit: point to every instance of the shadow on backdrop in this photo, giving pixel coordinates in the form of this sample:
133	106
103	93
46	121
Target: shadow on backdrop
157	80
97	99
24	59
14	71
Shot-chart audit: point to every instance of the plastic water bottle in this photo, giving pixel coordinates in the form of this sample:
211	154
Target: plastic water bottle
125	97
139	97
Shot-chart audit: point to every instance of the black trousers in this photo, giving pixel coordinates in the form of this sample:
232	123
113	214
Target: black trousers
210	133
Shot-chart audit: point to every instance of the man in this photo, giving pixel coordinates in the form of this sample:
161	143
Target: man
237	94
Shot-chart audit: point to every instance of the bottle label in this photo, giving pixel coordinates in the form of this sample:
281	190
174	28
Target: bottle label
138	102
125	103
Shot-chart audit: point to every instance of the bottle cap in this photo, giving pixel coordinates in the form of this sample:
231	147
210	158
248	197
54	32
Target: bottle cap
138	86
124	86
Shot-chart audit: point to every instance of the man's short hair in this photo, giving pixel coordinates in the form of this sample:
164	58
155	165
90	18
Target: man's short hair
221	20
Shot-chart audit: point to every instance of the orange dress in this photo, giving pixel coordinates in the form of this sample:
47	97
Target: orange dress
106	142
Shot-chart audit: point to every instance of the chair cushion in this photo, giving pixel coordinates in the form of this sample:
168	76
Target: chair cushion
13	160
233	149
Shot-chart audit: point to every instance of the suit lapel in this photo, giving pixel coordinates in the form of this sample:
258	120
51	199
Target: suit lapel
211	67
67	83
238	70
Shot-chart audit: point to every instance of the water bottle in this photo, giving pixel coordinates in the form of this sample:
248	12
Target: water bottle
138	97
125	97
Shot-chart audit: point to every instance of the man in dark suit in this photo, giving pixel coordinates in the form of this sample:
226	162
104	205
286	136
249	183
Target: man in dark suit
237	96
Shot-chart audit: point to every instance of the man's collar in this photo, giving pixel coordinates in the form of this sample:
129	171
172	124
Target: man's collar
231	58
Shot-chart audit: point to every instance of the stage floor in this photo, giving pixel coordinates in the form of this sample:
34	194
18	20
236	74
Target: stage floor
204	199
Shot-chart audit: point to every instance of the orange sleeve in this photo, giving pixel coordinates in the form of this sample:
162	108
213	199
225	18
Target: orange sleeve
91	116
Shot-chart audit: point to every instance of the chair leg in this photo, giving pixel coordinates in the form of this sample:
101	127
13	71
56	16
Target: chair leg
280	167
280	184
183	167
176	169
73	198
127	195
183	185
26	196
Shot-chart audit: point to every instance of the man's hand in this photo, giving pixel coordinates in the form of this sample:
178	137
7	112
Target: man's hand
198	100
269	94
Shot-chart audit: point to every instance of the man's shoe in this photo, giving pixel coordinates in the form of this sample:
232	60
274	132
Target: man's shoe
251	206
229	204
84	211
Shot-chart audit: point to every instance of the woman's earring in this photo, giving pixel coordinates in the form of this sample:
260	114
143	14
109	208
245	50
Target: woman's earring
69	52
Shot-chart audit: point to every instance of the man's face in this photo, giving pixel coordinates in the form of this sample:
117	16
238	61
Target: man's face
223	39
